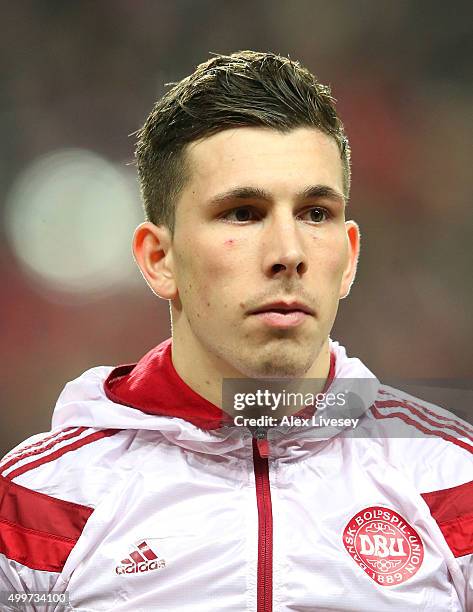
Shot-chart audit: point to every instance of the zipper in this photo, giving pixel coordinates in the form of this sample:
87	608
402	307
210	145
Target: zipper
265	522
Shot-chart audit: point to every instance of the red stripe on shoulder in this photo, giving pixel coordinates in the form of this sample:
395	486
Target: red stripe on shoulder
98	435
452	425
37	551
41	449
463	425
459	536
453	510
19	451
409	421
448	504
440	417
41	512
37	530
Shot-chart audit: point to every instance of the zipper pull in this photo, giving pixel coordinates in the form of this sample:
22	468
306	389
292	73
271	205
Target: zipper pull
262	443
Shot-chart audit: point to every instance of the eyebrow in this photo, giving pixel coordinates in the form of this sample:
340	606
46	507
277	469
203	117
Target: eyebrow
254	193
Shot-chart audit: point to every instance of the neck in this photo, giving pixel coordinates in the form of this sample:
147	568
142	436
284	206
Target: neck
204	371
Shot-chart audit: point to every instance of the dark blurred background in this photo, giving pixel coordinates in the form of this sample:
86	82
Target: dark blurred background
77	78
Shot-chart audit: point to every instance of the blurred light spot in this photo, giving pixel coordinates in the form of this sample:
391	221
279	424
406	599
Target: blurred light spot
70	218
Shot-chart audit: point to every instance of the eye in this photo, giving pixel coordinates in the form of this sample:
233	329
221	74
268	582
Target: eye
316	214
241	214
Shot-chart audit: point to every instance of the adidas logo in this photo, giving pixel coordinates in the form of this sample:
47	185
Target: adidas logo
143	559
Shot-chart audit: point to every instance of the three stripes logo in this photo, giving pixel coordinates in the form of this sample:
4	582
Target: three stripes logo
141	560
50	448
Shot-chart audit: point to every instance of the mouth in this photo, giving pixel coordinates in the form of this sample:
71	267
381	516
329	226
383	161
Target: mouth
283	314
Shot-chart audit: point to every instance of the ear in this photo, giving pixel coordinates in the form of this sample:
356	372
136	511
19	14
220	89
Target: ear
152	248
353	237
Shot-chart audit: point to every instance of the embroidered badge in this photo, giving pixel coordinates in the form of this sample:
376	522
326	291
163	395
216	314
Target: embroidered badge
384	545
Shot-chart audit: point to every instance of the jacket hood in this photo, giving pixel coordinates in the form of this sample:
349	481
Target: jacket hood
150	395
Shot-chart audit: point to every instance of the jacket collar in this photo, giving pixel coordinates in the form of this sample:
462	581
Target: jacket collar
154	387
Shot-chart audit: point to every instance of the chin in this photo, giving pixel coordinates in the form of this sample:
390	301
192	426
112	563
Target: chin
277	366
275	370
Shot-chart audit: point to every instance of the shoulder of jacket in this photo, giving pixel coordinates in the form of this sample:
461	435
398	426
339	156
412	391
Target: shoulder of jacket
432	445
45	501
50	485
71	464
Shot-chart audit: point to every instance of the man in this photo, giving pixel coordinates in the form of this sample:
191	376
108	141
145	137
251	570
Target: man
148	495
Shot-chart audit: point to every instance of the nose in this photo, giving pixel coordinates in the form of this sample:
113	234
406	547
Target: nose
284	252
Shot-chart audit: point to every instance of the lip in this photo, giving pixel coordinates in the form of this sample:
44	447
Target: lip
283	314
284	307
282	319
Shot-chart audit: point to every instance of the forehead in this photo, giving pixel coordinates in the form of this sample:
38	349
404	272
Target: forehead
265	158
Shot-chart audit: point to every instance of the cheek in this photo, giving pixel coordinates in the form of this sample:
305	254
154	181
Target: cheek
330	257
329	262
338	263
224	257
206	272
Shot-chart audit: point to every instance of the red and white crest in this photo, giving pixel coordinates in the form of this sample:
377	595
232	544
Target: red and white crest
384	545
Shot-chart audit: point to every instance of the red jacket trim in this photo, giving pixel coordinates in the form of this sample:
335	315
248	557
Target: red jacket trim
19	451
453	510
38	449
153	386
265	532
452	425
35	550
448	421
430	432
98	435
37	530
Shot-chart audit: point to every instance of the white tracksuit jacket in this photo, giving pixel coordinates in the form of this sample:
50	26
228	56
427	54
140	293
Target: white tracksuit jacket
143	497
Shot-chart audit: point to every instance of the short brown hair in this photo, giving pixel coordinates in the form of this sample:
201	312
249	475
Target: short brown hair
243	89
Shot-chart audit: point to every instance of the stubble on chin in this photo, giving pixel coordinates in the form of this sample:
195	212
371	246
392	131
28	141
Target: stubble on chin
276	365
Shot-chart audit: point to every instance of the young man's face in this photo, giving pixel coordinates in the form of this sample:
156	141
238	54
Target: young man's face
261	225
